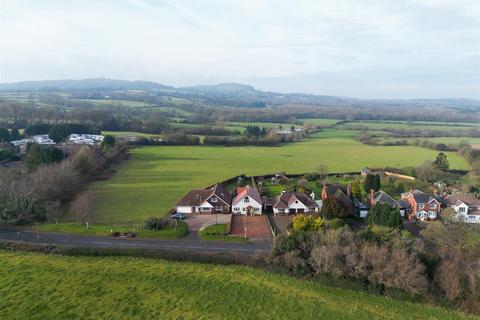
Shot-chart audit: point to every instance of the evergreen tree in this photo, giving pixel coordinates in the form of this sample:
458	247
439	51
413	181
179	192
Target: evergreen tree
4	135
331	209
376	185
368	184
15	134
356	189
441	162
384	215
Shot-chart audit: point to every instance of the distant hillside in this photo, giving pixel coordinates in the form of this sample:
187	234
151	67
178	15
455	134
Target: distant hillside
236	94
221	88
84	84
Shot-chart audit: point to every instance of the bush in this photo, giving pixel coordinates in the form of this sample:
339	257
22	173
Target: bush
156	224
336	224
306	223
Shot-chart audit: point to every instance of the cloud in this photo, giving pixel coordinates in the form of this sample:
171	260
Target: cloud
400	47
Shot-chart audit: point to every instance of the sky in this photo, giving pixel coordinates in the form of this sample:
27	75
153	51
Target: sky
366	49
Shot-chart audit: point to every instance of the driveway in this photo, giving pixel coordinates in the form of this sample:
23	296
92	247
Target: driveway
280	223
195	222
256	227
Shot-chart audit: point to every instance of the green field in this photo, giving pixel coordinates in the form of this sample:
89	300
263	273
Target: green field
112	102
129	133
154	178
35	286
318	121
168	232
379	125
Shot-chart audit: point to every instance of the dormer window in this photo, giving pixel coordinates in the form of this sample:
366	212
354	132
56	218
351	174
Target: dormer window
214	199
421	206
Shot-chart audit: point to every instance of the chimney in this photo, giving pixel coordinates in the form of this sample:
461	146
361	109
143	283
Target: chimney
372	198
324	192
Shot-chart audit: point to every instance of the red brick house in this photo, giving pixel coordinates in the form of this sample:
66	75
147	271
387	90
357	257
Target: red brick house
421	206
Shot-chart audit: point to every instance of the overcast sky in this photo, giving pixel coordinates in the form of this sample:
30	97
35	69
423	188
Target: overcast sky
373	49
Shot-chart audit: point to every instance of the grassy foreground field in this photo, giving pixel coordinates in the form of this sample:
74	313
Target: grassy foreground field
156	177
35	286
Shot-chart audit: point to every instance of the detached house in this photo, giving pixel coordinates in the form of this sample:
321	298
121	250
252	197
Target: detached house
383	197
421	206
294	202
247	202
466	206
213	200
339	193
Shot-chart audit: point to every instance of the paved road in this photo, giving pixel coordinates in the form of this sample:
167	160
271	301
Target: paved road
197	246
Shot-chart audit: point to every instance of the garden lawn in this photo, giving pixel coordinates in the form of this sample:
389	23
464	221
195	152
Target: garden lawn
219	232
154	178
35	286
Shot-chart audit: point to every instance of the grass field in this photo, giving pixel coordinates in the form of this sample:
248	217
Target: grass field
379	125
168	232
35	286
130	133
154	178
323	122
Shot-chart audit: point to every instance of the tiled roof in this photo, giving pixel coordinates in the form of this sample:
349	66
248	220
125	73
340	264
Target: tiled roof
469	199
283	200
248	191
194	198
383	197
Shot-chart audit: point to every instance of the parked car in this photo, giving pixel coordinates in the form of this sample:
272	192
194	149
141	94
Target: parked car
178	216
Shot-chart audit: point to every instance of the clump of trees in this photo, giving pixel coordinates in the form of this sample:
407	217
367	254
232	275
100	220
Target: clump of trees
441	162
36	155
29	197
255	132
442	266
60	132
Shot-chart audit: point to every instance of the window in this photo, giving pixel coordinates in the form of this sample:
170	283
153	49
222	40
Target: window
421	205
296	201
462	209
214	199
246	200
236	209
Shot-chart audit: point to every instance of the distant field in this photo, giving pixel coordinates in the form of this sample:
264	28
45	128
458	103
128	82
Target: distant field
268	125
379	125
445	140
34	286
156	177
316	121
128	133
108	102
